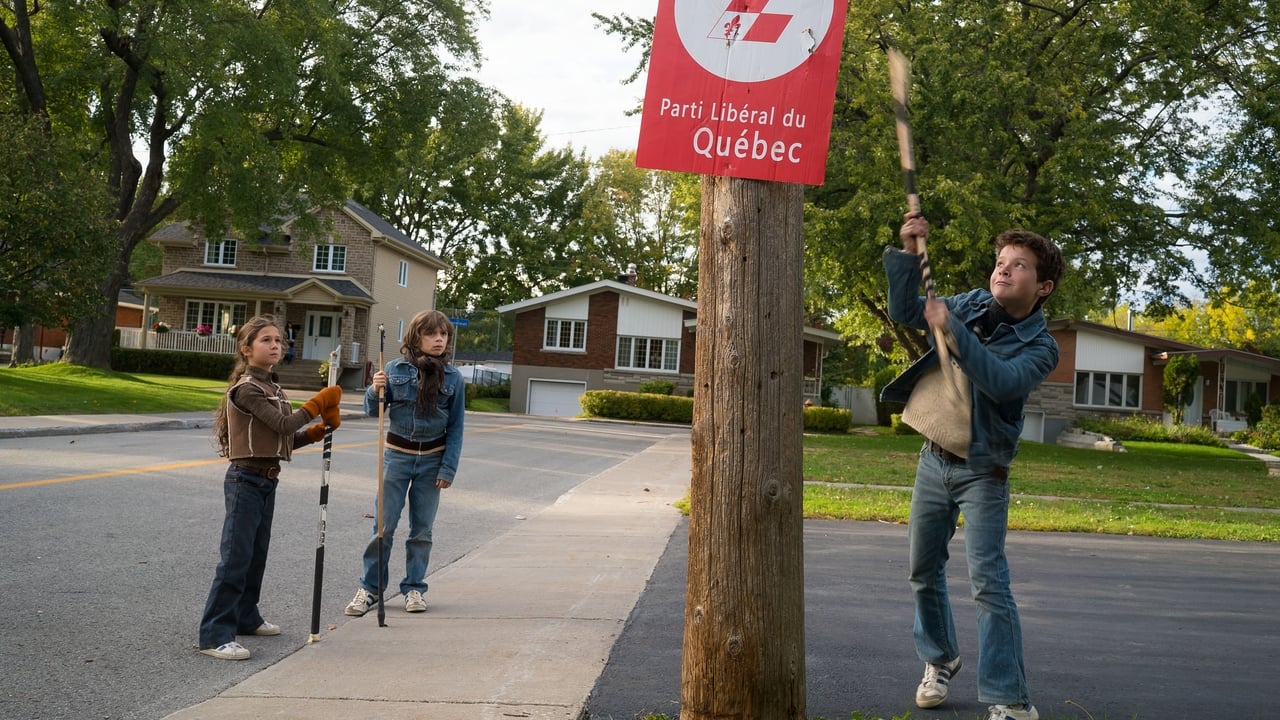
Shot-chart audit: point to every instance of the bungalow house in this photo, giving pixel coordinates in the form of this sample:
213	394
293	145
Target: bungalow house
610	335
332	291
1103	370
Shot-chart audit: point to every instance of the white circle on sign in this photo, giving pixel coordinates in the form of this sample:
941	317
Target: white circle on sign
752	40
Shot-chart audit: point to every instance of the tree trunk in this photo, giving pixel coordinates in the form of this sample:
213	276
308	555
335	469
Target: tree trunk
90	338
23	349
744	650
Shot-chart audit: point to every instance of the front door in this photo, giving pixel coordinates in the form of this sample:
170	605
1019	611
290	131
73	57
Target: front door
320	335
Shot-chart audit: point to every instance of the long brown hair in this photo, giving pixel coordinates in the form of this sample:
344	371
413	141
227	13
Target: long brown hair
430	369
244	343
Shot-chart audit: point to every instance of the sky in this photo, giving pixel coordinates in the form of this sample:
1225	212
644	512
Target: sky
550	56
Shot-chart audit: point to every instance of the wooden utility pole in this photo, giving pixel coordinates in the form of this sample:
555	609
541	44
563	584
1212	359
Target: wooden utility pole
744	648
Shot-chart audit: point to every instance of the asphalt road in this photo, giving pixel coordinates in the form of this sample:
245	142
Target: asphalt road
1114	628
109	543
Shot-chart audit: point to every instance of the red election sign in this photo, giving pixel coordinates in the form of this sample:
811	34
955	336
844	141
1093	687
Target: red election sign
742	88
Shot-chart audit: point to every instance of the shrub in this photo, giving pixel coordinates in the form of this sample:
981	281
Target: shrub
1266	434
637	406
826	419
1145	429
657	387
899	427
172	362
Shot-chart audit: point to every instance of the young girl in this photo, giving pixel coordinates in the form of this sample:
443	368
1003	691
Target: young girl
255	428
425	403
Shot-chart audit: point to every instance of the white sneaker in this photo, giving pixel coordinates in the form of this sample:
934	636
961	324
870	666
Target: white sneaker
266	628
1013	712
932	691
361	603
228	651
414	602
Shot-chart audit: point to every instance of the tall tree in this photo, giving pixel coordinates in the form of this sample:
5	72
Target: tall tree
647	218
54	233
243	113
1062	117
1234	192
478	187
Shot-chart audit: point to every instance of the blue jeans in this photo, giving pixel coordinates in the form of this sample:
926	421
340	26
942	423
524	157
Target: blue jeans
413	476
232	607
942	491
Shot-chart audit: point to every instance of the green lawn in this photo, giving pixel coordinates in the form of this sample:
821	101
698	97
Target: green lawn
61	389
1156	489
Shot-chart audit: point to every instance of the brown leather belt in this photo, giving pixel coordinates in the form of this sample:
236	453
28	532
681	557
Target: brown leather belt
269	472
404	443
998	472
945	454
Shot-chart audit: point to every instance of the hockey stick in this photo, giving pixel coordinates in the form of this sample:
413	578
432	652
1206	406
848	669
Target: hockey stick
324	505
382	590
318	582
900	82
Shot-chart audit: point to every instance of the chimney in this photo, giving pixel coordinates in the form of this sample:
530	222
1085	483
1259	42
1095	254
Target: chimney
629	277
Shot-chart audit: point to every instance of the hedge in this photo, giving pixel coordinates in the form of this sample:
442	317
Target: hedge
638	406
654	407
172	362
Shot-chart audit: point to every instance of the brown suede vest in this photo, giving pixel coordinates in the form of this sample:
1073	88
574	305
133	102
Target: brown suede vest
250	437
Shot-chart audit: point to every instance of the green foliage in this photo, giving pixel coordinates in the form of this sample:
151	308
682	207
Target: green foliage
1051	141
1266	433
637	406
899	427
1179	390
1146	429
55	240
657	387
271	113
172	362
827	420
884	410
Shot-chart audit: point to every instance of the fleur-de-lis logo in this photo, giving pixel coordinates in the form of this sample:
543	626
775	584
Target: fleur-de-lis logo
732	28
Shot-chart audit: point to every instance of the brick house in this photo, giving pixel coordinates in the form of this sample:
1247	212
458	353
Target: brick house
334	289
1103	370
610	335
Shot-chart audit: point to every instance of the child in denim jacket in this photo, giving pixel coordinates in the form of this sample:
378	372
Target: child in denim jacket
425	401
1001	350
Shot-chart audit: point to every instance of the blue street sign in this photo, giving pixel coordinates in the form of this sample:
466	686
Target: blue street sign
460	322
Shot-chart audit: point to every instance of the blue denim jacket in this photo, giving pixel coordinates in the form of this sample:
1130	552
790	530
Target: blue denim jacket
446	421
1001	373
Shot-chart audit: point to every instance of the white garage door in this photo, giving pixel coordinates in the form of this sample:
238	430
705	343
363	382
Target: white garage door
561	399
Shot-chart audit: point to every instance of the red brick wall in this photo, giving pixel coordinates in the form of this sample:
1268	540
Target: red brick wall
688	345
602	332
1065	372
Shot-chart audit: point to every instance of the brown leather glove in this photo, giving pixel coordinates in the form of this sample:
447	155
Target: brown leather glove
315	433
332	416
323	400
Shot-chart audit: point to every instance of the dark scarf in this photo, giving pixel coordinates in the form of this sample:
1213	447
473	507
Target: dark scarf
987	323
430	378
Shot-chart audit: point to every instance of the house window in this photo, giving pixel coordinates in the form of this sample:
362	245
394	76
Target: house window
636	353
403	279
1109	390
565	335
331	258
217	315
221	252
1238	392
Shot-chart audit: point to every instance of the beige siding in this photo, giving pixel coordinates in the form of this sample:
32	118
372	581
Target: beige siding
397	304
